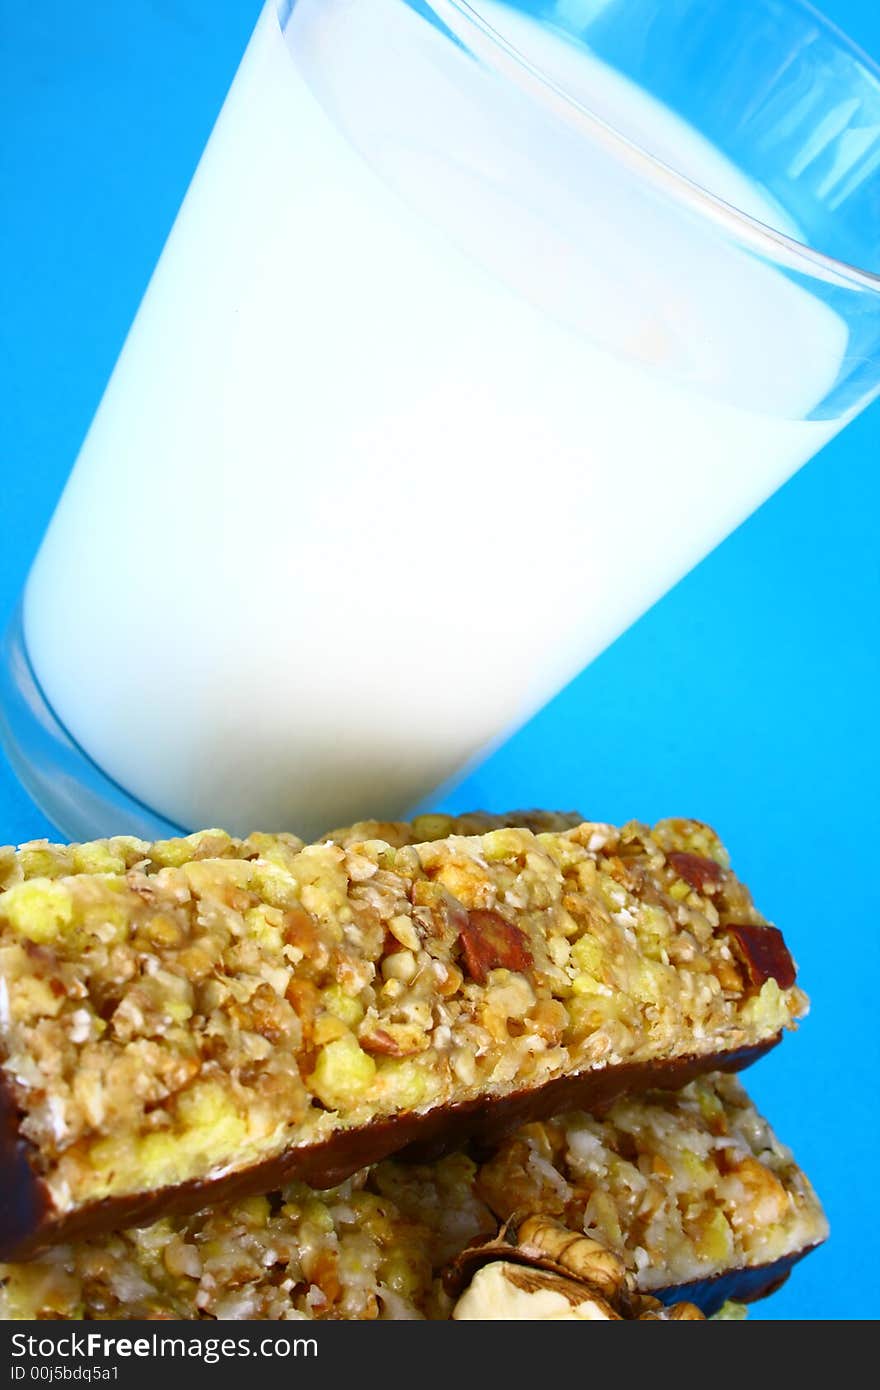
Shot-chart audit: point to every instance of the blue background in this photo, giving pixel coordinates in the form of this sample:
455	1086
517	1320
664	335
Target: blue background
747	697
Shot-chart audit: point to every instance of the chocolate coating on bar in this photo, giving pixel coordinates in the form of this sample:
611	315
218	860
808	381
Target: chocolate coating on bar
25	1203
29	1223
744	1285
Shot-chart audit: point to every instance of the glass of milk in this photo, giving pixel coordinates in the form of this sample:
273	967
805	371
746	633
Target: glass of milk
481	323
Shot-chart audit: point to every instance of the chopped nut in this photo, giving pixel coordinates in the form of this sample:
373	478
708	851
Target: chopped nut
403	929
728	976
394	1040
491	942
763	953
700	873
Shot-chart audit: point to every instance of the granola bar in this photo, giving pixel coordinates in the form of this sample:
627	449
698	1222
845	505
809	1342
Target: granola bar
208	1017
693	1191
687	1196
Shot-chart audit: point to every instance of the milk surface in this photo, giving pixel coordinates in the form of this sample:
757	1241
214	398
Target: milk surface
429	398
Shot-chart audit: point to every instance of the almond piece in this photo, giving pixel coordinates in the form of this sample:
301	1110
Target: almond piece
492	943
702	874
763	954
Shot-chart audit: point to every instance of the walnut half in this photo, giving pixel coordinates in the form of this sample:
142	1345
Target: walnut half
536	1269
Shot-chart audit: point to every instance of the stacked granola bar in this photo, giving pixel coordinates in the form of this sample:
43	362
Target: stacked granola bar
218	1053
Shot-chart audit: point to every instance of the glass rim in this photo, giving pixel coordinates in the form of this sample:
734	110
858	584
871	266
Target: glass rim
464	21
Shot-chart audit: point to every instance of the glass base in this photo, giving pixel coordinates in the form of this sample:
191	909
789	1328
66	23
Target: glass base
69	789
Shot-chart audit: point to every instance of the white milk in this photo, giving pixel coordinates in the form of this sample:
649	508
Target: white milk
381	465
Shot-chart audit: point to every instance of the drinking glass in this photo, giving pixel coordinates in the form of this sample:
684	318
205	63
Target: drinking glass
480	324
